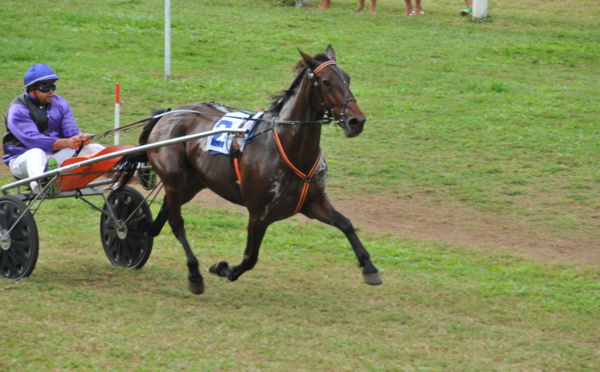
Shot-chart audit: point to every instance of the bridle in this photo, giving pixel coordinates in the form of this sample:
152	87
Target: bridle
348	96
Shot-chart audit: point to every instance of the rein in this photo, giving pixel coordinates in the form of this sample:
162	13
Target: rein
311	75
135	124
329	117
272	121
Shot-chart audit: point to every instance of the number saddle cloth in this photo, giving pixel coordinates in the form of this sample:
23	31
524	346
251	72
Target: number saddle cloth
223	143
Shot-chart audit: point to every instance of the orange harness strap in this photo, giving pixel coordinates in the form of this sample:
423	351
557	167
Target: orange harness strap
236	164
323	65
236	161
307	177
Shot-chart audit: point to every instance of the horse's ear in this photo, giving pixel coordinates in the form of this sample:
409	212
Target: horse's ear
309	61
331	53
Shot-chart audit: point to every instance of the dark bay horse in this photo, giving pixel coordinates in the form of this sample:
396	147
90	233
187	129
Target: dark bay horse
281	171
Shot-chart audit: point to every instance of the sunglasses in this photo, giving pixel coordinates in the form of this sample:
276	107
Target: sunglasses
46	87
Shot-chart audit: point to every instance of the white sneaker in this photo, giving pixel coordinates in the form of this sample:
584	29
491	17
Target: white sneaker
36	188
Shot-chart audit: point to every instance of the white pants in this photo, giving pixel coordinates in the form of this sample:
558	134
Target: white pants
33	162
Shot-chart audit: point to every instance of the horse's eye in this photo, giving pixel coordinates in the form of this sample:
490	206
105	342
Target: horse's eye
326	83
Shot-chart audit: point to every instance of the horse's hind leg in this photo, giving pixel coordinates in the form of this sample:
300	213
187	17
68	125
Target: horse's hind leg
195	281
325	212
153	227
159	222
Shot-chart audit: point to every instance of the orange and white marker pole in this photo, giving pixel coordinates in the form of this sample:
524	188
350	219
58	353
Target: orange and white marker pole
117	110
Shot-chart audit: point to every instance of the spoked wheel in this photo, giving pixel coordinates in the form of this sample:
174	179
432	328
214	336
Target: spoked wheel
19	243
124	244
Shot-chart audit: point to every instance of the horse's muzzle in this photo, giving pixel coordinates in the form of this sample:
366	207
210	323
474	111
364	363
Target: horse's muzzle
354	126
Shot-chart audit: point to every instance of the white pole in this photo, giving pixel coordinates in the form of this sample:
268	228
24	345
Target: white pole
480	9
117	110
167	39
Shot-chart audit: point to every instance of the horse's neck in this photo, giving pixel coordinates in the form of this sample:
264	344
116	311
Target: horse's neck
302	141
304	105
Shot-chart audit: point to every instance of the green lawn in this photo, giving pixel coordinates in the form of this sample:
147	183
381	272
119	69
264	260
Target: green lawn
498	117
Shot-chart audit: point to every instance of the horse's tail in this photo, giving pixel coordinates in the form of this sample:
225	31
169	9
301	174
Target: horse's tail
126	168
156	115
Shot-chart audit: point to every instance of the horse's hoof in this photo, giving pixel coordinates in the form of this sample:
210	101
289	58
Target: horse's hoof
196	288
219	269
372	279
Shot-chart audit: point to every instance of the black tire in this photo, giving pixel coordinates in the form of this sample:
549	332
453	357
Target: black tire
19	249
126	246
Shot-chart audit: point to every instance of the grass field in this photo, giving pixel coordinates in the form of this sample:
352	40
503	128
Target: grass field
498	117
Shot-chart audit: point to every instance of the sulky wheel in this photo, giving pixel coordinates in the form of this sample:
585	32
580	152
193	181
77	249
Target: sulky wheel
19	243
126	245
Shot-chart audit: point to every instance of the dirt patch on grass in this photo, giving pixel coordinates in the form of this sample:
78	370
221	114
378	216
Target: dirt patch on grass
417	217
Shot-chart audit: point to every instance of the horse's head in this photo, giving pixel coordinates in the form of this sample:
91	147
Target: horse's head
333	85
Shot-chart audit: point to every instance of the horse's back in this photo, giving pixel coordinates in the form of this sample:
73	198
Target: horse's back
185	120
189	165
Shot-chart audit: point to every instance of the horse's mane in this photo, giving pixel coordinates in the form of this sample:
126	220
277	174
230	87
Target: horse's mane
278	100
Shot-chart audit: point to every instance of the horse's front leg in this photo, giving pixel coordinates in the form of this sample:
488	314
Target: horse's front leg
256	232
324	211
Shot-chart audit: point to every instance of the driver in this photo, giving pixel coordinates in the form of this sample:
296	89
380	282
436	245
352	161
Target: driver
41	132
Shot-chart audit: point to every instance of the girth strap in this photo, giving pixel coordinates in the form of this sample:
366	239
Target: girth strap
306	177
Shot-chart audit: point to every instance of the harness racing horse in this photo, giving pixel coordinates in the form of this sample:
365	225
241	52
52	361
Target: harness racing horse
281	172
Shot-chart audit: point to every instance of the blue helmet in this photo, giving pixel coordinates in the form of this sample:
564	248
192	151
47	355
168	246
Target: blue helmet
37	73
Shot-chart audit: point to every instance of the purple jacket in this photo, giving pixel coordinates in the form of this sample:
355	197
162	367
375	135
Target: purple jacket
20	123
